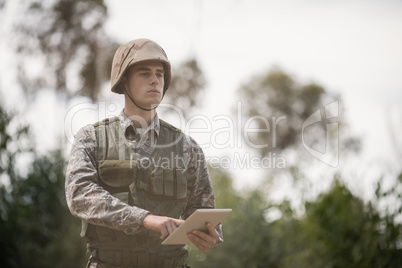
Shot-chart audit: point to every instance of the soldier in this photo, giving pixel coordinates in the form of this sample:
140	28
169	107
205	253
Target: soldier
132	179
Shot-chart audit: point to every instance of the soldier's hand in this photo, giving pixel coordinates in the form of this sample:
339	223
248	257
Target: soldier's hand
202	240
161	224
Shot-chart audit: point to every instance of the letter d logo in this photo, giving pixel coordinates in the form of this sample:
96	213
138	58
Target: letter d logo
330	155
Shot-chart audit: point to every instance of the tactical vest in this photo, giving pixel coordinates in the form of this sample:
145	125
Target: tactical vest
158	185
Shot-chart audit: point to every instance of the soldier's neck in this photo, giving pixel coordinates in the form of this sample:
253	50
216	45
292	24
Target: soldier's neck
140	118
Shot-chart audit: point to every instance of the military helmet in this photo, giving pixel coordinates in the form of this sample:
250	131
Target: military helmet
133	52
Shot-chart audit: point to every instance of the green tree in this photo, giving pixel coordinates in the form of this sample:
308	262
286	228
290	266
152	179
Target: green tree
341	230
36	228
67	39
335	230
9	151
285	104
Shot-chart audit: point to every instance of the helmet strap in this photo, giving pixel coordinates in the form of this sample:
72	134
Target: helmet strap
142	108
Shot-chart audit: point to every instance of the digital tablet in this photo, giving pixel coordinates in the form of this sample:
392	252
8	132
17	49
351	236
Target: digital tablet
197	221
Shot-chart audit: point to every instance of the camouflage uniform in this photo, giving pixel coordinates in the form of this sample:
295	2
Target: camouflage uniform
90	202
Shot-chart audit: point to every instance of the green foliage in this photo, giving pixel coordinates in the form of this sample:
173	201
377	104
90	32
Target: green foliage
285	104
14	141
345	232
338	221
68	39
336	230
36	228
276	94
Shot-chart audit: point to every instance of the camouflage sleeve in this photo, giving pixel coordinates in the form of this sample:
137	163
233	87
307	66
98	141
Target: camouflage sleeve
199	181
86	199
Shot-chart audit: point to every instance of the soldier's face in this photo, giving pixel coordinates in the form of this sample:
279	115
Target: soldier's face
145	83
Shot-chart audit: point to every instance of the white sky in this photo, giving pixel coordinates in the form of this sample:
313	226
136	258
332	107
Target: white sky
350	47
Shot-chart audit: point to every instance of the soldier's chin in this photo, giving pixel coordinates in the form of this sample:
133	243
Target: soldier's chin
155	102
153	105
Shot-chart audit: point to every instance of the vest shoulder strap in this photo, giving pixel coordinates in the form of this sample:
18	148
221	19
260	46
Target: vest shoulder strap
167	125
106	121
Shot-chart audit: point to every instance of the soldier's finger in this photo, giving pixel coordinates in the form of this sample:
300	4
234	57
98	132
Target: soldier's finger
203	239
178	222
171	227
212	231
200	243
164	232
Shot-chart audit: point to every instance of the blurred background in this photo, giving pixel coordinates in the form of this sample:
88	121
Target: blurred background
296	104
